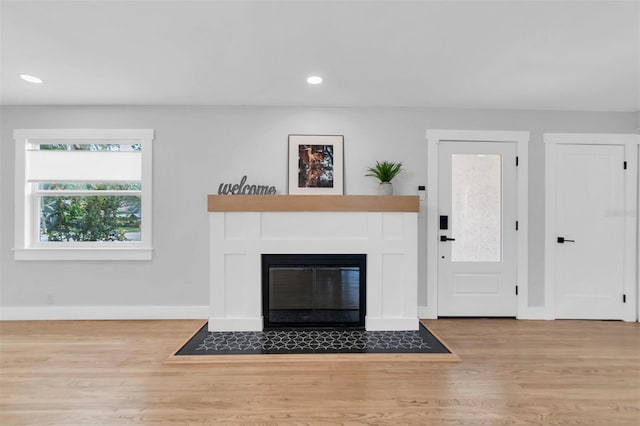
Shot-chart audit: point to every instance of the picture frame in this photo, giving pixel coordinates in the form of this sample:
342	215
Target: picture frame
316	164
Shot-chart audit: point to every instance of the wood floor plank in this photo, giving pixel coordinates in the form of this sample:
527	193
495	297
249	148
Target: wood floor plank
512	372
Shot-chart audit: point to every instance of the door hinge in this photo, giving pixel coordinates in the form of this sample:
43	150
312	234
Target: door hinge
516	290
516	225
517	161
624	165
624	298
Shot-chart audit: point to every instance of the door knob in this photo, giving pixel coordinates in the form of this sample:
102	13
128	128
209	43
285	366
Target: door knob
445	238
562	240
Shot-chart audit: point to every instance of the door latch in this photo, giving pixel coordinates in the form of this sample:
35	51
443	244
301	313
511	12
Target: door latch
445	238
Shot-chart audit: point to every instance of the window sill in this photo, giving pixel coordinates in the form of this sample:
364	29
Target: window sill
86	253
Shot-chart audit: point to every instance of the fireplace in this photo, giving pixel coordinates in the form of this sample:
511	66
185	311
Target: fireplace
242	229
313	290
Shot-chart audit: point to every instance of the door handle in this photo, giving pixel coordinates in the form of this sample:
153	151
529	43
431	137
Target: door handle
562	240
445	238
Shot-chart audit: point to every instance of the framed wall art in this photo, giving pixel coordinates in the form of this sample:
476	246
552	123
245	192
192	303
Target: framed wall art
316	164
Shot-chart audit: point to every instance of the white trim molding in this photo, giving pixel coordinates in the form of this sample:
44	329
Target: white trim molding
631	143
51	313
423	312
390	324
235	324
521	141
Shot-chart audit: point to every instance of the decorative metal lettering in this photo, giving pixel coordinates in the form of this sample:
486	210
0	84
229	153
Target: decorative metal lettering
242	189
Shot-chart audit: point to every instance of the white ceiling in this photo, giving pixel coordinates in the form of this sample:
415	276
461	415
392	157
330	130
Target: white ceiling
559	55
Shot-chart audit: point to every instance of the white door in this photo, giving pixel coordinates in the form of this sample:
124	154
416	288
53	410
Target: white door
477	243
590	226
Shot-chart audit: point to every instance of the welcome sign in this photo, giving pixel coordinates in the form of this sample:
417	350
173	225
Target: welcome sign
243	189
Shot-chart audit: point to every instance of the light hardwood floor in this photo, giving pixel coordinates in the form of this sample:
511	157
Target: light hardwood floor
512	372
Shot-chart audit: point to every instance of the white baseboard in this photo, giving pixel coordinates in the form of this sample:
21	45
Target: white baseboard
391	324
536	313
235	324
425	313
540	313
102	312
27	313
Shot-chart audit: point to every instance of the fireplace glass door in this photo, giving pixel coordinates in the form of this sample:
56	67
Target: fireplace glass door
313	290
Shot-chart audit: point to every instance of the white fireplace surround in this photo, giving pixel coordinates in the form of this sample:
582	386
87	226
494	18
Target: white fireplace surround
238	239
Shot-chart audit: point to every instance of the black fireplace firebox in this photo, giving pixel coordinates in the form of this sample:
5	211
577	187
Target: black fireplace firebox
313	290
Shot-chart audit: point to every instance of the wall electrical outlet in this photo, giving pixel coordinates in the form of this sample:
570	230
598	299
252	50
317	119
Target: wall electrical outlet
49	298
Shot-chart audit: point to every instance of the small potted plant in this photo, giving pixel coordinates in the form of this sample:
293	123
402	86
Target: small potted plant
385	171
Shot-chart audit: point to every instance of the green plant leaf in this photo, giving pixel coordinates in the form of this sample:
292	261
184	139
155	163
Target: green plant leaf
384	171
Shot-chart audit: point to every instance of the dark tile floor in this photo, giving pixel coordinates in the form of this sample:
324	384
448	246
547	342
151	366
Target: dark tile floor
302	341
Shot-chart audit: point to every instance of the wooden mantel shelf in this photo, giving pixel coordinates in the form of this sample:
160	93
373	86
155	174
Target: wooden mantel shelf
313	203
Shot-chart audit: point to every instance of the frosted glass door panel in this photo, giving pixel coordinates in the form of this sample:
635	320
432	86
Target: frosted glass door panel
476	207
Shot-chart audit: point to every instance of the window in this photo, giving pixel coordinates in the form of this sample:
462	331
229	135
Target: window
83	194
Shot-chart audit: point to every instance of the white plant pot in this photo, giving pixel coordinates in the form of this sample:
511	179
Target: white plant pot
385	188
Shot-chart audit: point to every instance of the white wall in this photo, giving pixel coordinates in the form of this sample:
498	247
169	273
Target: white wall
197	148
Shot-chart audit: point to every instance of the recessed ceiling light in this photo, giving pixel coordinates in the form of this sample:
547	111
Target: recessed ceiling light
314	79
31	78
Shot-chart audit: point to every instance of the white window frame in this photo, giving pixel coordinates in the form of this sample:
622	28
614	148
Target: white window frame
27	246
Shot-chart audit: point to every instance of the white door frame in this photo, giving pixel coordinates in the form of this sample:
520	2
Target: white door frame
521	139
630	143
